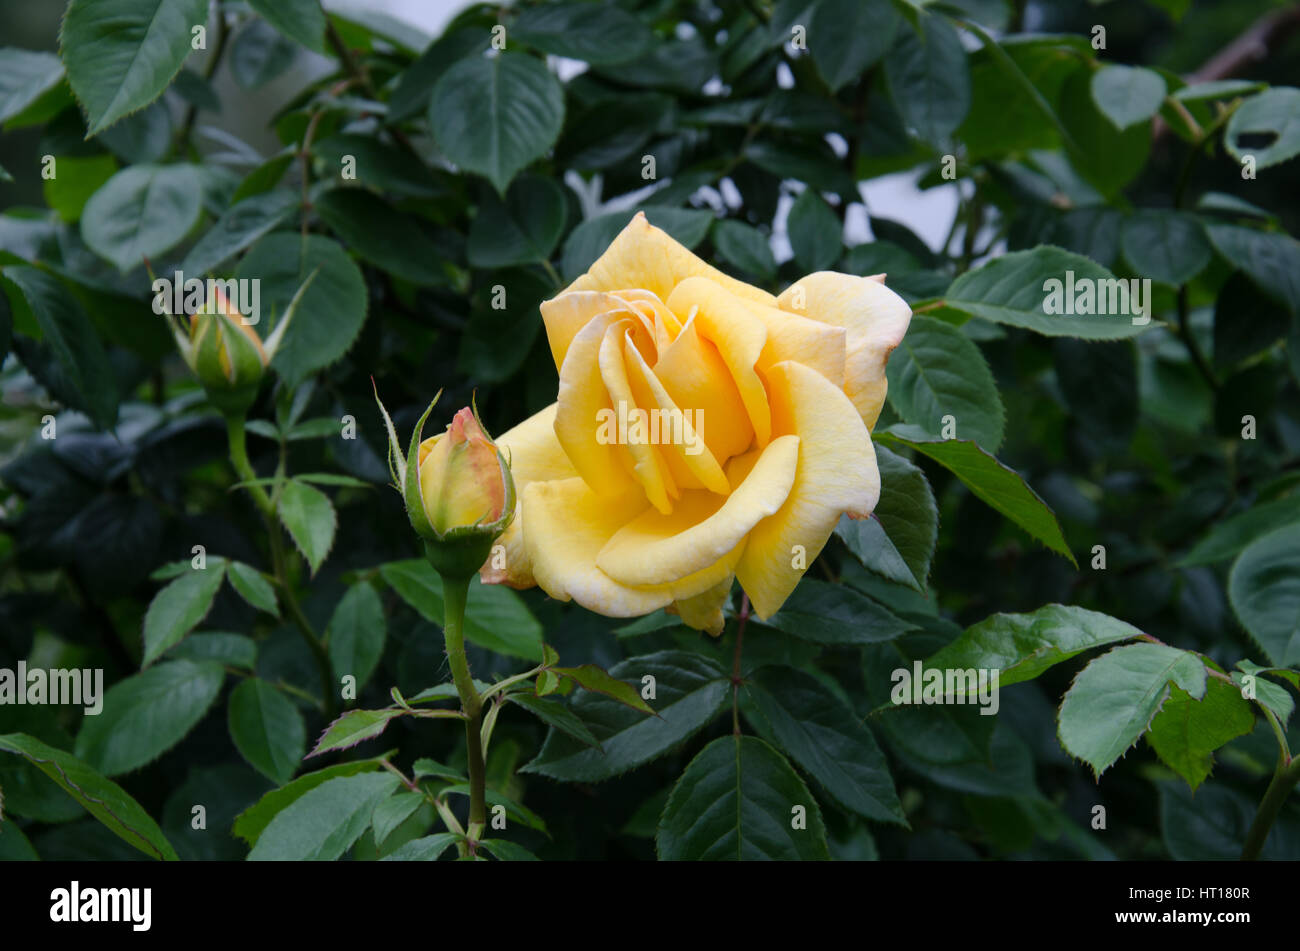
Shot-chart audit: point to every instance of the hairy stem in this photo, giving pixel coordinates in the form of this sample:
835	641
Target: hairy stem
454	592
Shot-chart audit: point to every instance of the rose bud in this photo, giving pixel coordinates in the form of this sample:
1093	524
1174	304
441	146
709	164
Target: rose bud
458	491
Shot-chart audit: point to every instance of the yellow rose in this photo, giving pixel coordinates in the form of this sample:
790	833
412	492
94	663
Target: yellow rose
764	406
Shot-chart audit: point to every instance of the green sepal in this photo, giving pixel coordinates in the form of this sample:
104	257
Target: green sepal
411	493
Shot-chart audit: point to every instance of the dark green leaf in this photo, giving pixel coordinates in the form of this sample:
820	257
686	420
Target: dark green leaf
267	729
739	799
177	608
252	587
494	116
898	540
324	822
824	736
1264	587
121	54
309	516
356	633
147	714
102	798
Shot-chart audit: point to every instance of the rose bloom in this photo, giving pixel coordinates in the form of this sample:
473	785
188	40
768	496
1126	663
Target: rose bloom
784	391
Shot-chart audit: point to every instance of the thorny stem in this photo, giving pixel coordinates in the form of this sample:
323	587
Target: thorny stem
288	600
454	592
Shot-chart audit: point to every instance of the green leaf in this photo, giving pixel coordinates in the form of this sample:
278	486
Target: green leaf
382	235
252	587
1186	732
324	822
689	691
122	54
1022	646
147	714
814	232
1229	537
267	729
1269	695
1166	246
230	650
1127	95
845	37
253	821
259	54
599	34
378	165
938	371
356	633
332	308
1107	157
591	677
556	714
586	242
497	340
827	613
1264	588
78	179
1018	288
993	483
177	608
25	76
301	20
71	336
427	849
141	212
1273	113
504	851
495	617
824	736
353	727
240	225
523	229
929	80
411	94
1212	825
391	813
1114	699
102	798
738	799
1271	258
309	516
745	247
897	542
494	116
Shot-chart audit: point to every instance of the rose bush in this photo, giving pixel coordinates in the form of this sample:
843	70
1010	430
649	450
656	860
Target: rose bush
784	391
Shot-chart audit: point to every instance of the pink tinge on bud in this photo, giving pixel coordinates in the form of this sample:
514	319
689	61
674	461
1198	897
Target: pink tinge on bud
460	476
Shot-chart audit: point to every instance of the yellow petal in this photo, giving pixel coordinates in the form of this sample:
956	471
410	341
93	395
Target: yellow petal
695	377
646	257
837	473
874	319
581	399
730	324
704	611
658	549
568	524
648	465
681	446
810	342
535	455
568	313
